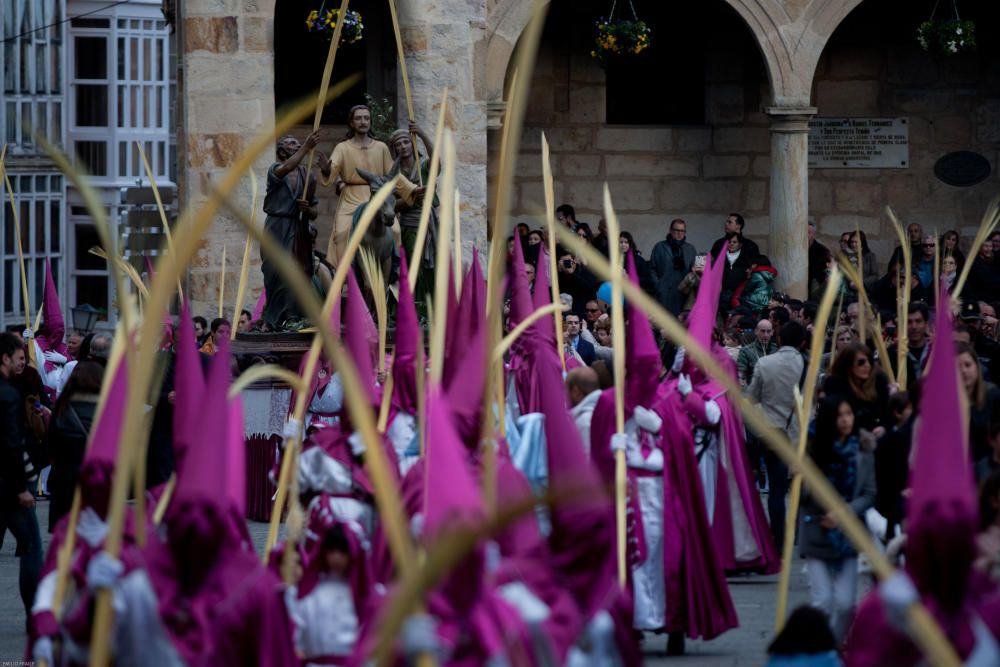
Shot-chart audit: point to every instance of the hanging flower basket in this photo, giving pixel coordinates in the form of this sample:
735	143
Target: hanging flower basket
325	21
948	37
620	37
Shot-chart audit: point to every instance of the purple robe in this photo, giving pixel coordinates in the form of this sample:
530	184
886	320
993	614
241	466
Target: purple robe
698	599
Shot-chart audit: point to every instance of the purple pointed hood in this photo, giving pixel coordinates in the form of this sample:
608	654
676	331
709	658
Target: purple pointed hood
520	292
189	388
942	513
404	363
469	318
205	476
107	431
451	496
642	357
701	322
98	464
465	394
53	330
357	336
542	296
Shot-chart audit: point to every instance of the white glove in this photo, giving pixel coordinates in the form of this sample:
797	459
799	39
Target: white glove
27	334
357	443
55	357
647	420
633	458
103	571
684	385
293	429
419	635
898	594
619	442
42	650
678	361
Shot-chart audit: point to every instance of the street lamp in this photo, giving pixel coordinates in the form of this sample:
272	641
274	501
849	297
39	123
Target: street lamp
84	318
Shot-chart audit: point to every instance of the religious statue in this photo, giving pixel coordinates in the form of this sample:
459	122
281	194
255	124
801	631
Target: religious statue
290	204
406	163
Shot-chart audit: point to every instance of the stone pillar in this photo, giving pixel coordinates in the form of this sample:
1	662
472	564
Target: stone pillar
440	42
225	97
789	205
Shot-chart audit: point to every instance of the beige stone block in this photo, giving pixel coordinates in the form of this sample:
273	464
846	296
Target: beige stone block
741	140
952	130
762	166
649	165
219	114
756	196
694	140
561	139
820	196
855	63
622	139
587	104
725	166
633	195
214	150
579	165
257	35
838	224
214	34
238	78
647	229
700	195
902	191
587	195
529	165
725	104
855	196
847	98
533	194
414	38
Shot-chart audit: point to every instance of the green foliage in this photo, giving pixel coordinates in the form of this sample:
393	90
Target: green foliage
383	117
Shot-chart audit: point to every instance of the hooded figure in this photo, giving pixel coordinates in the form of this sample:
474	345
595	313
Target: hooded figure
91	529
742	537
644	457
329	606
199	597
402	430
941	525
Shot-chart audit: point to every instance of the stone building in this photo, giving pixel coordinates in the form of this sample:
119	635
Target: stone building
712	118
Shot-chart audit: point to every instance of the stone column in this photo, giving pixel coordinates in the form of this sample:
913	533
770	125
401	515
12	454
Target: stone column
789	205
440	41
225	97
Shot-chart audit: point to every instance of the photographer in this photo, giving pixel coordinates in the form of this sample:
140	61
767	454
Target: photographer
575	280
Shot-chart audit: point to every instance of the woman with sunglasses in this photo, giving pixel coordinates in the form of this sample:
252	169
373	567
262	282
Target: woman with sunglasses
864	386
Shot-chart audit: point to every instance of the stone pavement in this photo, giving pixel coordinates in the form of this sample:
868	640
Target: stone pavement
744	647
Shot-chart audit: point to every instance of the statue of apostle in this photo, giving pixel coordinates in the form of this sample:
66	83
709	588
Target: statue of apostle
290	204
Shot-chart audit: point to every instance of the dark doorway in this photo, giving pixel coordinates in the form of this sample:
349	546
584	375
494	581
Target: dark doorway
299	56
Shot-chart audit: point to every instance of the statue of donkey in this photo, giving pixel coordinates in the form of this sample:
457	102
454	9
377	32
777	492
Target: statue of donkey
378	238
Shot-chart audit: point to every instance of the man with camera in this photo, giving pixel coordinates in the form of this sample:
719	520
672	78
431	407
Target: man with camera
575	280
672	259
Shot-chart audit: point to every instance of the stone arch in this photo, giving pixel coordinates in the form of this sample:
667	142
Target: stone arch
791	36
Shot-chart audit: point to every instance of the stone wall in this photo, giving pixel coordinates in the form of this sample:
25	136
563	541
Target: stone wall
225	97
701	173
